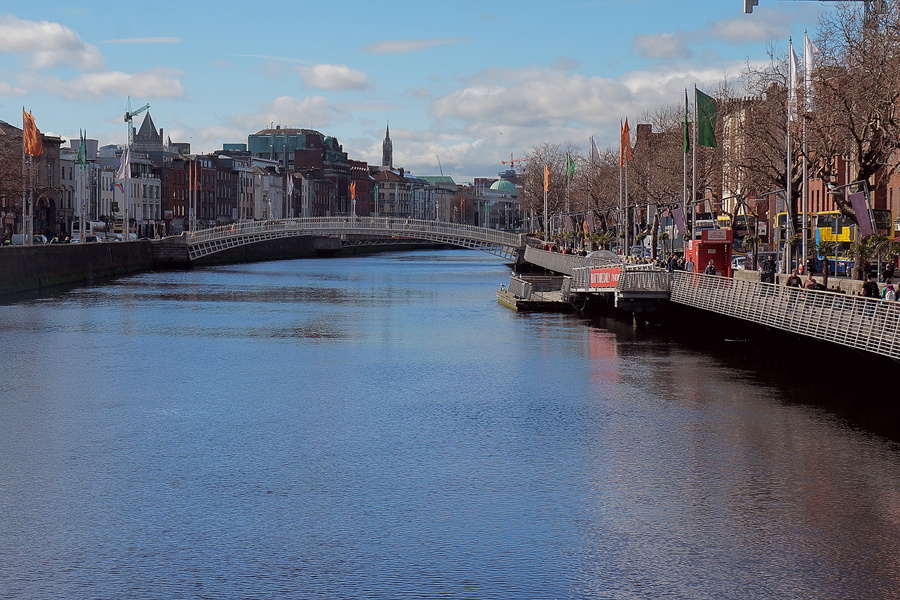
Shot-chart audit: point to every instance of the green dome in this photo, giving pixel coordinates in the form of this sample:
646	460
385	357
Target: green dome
503	185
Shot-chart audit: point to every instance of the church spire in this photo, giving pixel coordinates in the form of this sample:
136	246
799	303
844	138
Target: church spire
387	149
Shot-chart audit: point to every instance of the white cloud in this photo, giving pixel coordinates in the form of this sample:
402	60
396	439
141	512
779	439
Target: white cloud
333	77
767	25
661	46
7	89
47	44
534	98
312	112
156	83
406	46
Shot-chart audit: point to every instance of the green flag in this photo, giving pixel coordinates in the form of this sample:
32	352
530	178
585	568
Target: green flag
686	127
570	167
81	157
706	120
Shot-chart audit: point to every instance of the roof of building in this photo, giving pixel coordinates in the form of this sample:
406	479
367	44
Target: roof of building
504	185
285	131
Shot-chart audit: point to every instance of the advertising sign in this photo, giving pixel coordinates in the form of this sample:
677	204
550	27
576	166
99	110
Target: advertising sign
717	235
605	278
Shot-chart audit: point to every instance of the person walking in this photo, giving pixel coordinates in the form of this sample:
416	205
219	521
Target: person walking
710	269
870	287
768	270
794	280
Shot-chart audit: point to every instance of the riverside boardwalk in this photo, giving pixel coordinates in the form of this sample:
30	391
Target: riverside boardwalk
866	324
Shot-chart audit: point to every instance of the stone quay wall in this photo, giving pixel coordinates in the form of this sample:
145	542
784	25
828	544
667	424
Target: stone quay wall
29	268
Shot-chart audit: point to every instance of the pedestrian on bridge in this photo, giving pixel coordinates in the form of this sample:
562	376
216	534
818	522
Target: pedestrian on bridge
768	270
870	287
794	279
710	268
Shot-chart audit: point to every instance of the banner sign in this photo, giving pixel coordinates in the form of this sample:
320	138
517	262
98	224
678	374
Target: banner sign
678	217
717	235
861	208
605	278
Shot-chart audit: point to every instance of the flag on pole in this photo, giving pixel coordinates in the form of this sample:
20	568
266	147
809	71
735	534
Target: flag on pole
32	139
570	168
686	130
625	146
810	59
706	119
124	171
352	188
290	187
595	152
792	84
82	151
546	178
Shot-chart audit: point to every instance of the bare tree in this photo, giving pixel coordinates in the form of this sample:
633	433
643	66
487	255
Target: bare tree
553	156
761	122
856	95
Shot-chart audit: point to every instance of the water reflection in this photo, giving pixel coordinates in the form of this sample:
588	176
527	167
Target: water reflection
380	427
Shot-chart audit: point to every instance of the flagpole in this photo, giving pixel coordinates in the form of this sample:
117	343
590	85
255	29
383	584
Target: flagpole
686	135
24	227
787	267
694	171
805	192
622	221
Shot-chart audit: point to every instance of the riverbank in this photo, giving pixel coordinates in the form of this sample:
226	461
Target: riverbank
27	271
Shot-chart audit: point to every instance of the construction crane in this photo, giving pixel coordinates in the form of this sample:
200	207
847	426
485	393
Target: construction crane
512	161
872	6
129	118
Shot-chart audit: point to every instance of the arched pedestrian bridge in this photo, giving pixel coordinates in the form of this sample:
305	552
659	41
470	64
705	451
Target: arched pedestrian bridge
352	231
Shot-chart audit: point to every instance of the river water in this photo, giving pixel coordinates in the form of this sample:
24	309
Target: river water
379	427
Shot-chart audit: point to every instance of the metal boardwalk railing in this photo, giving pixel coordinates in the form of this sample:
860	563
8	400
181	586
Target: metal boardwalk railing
866	324
499	243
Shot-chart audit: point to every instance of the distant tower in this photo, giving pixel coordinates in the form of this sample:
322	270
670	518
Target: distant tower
387	149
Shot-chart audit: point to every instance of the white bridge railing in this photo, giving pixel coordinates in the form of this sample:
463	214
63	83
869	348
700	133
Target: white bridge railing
863	323
500	243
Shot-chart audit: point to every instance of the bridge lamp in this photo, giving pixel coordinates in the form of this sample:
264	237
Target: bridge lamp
748	6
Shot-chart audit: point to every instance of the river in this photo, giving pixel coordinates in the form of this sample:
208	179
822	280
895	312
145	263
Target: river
379	427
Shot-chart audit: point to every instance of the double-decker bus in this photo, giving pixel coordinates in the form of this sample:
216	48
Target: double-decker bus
741	225
835	227
704	221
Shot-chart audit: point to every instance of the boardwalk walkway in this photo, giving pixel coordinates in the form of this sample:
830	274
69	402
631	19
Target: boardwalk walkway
862	323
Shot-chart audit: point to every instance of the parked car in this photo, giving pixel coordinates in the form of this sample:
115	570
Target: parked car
18	239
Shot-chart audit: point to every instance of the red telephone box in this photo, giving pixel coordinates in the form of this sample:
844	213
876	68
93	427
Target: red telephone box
714	245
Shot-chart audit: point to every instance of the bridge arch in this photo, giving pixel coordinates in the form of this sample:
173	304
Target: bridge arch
354	231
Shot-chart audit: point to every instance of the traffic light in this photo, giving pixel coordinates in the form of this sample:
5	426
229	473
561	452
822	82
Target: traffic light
748	6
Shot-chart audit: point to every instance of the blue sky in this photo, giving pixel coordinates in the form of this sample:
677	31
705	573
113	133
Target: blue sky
468	82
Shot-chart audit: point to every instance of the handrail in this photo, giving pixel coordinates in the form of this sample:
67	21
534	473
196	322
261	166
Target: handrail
214	239
858	322
355	224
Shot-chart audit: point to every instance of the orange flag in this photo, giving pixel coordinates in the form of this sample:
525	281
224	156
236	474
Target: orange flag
625	151
546	178
353	190
34	141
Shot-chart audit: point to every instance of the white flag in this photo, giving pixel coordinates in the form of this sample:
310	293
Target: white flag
792	85
595	152
124	171
810	59
290	185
